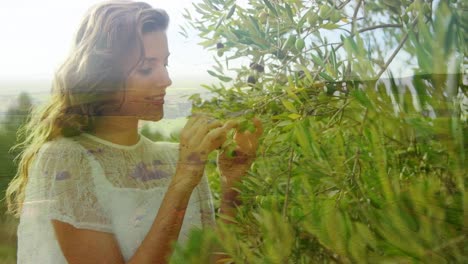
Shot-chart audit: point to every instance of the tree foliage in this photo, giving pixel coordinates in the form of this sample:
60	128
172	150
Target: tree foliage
14	118
352	167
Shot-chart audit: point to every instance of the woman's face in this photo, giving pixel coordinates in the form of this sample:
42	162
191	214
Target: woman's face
146	85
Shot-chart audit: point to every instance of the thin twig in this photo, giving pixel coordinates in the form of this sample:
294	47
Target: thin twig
343	4
353	26
380	26
289	180
395	52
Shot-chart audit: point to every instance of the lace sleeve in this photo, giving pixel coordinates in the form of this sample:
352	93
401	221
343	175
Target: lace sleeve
70	191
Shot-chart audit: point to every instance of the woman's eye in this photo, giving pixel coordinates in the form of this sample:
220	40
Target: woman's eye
145	71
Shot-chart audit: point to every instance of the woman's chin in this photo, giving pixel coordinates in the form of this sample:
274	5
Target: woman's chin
153	118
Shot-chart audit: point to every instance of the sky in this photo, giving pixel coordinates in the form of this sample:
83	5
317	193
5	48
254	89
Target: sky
39	34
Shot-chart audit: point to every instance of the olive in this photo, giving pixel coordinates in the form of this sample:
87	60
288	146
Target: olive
257	67
335	16
220	53
251	79
312	19
300	74
300	44
219	45
324	11
260	68
263	16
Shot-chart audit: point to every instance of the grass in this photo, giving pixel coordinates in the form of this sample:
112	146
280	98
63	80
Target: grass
8	239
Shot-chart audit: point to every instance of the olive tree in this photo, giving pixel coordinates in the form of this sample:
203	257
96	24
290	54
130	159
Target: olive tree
351	167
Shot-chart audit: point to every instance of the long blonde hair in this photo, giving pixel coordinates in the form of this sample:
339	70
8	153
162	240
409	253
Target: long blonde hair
92	71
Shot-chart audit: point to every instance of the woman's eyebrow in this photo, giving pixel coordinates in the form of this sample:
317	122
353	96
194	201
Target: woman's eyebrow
155	59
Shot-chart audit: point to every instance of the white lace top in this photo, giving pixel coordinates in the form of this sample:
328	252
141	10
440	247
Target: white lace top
95	184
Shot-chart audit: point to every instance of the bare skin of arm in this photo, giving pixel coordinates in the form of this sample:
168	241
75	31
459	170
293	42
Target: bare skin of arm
157	245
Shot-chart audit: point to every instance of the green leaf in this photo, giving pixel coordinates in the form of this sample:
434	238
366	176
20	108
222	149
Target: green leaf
231	12
292	95
221	77
219	22
326	76
284	123
330	26
302	20
306	72
364	232
303	138
350	45
255	25
361	96
294	116
290	13
270	6
357	247
289	105
212	73
224	78
333	59
207	43
318	60
289	43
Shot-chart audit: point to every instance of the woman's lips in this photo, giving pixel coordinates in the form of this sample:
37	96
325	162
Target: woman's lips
157	102
154	102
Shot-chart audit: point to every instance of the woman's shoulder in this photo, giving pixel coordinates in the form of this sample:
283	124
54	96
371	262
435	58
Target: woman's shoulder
60	156
61	146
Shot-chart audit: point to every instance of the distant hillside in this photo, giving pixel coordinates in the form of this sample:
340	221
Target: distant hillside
176	107
39	90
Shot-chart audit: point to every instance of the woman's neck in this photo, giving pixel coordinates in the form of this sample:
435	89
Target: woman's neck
117	129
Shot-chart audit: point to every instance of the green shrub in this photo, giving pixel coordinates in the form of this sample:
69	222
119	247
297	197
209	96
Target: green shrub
351	168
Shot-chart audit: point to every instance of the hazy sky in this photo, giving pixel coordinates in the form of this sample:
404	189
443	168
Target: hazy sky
37	36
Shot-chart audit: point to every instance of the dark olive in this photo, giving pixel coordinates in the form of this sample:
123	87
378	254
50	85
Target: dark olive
251	79
219	45
300	74
260	68
257	67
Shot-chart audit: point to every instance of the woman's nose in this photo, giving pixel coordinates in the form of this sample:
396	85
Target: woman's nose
164	78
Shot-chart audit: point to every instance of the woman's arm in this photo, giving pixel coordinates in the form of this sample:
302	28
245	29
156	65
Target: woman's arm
199	137
229	201
157	245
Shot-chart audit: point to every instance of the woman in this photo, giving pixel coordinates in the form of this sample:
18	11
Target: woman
90	188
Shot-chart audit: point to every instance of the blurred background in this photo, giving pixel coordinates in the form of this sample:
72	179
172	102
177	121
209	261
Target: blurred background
37	35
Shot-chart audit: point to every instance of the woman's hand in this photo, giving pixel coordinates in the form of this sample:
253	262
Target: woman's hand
233	169
200	136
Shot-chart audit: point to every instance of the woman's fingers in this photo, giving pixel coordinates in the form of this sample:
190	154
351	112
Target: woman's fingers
204	125
259	127
216	137
188	126
246	140
203	130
